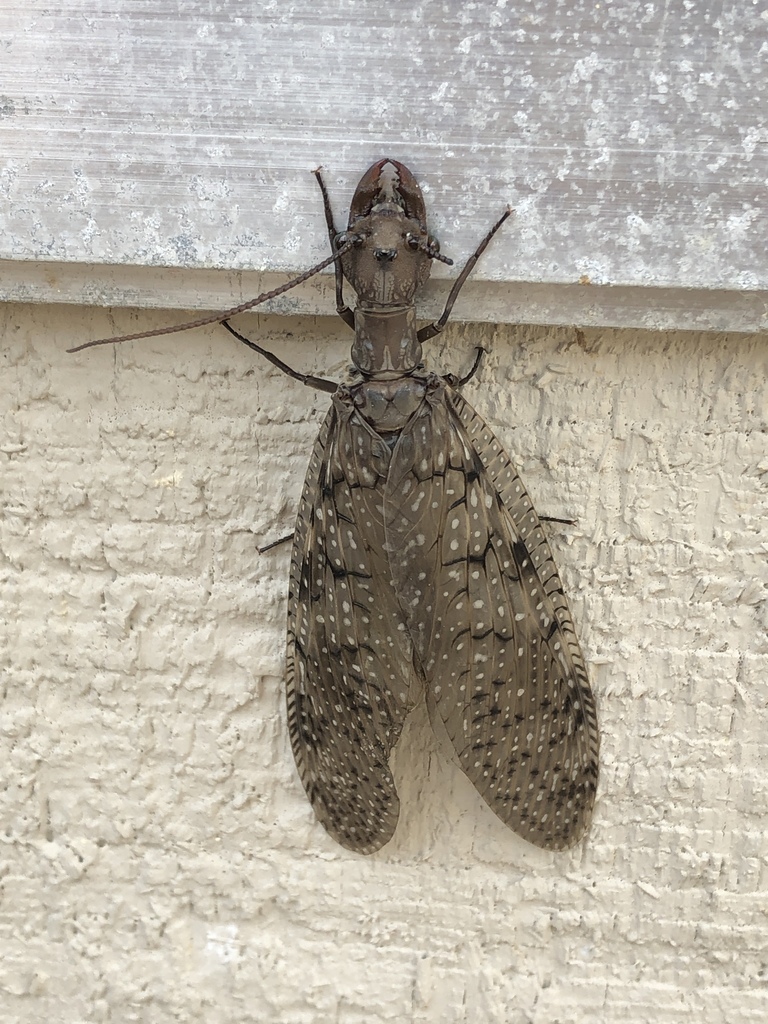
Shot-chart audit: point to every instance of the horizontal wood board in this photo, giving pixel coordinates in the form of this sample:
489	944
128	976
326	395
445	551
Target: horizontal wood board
630	138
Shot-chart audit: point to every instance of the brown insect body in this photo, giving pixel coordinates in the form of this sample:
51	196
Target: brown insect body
418	558
419	565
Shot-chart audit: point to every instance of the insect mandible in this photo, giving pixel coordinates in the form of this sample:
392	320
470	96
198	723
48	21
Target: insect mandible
420	568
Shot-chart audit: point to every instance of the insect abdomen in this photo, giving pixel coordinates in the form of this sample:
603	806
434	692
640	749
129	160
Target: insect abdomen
427	551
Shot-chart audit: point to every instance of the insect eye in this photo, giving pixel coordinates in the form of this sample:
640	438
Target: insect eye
348	236
412	241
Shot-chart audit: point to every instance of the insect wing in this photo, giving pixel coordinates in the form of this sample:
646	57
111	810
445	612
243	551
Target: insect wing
490	623
348	666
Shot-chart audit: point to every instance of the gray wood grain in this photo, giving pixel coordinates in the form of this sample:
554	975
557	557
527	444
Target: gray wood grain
630	137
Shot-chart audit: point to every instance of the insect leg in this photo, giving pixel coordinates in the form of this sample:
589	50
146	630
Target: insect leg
319	383
459	382
429	332
274	543
342	308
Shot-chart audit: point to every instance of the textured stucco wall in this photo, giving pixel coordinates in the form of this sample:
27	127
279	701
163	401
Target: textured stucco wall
158	859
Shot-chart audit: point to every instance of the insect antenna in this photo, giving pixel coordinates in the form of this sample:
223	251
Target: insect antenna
434	254
215	318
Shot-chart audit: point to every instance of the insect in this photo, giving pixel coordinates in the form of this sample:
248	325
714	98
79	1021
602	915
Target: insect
420	568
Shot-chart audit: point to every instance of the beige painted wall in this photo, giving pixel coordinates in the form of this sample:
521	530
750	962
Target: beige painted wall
159	861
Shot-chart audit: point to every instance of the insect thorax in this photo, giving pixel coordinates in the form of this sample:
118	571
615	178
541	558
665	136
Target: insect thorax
387	405
386	344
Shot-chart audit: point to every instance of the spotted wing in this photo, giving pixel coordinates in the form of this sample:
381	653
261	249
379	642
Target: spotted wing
348	664
490	623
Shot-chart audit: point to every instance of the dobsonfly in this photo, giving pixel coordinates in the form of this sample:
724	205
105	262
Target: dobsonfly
419	566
